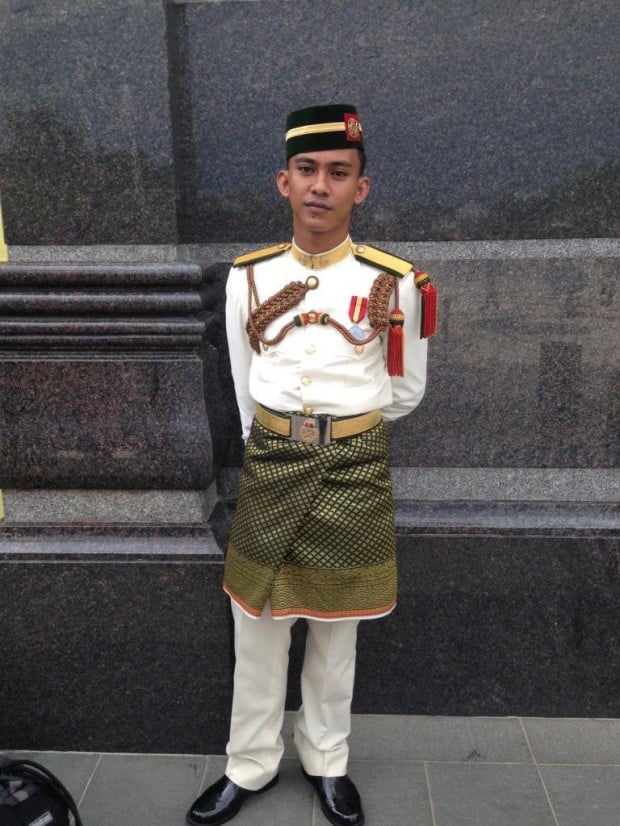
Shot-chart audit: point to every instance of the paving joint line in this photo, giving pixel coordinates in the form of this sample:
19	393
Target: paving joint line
90	779
539	773
581	765
429	792
204	773
470	762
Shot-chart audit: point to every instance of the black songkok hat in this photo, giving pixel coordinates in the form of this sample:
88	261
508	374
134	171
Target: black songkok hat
316	128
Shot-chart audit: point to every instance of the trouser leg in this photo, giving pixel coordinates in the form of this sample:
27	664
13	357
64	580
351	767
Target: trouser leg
323	722
255	746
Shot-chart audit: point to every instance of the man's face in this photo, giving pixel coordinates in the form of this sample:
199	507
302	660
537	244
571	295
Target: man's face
323	187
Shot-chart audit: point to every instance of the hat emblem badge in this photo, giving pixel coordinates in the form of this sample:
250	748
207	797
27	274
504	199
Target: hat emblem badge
352	128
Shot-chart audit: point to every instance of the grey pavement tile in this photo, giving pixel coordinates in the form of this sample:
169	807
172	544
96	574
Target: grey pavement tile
574	741
453	739
290	803
488	795
287	735
73	769
393	793
584	795
142	790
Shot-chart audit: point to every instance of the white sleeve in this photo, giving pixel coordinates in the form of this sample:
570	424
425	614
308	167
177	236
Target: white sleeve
407	390
239	345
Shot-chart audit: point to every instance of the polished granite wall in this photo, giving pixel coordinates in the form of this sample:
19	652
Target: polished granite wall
482	121
85	136
101	380
509	566
147	131
127	647
523	372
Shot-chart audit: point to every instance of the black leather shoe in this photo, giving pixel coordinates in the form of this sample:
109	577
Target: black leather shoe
340	800
221	802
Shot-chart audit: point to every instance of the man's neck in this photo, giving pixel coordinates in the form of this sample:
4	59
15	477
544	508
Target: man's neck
319	242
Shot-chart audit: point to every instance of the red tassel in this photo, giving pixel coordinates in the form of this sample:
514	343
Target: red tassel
396	340
428	325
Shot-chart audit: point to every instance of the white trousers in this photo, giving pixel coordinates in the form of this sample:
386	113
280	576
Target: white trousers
323	721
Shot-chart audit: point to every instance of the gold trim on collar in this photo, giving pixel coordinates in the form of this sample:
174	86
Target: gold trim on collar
321	260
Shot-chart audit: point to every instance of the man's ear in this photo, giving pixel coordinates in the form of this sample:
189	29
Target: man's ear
363	187
282	182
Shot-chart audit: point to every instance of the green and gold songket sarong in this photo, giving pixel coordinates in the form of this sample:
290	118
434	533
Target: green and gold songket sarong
313	532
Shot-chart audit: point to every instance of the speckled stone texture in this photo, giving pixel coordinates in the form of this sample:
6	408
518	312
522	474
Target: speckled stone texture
100	377
481	120
127	655
156	128
131	651
497	626
504	610
110	552
523	369
85	136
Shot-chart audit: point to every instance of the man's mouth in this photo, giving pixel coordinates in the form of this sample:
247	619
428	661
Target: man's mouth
321	205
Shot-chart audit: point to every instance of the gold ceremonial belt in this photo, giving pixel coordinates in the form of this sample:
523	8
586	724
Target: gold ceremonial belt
315	430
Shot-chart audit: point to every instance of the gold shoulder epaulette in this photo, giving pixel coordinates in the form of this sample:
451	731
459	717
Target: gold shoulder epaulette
260	255
383	260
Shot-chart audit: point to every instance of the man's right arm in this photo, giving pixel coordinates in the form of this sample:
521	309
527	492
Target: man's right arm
239	345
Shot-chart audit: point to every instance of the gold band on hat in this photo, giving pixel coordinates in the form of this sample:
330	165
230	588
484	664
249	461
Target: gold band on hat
316	129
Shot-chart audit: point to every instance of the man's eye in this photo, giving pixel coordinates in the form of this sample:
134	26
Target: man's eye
306	170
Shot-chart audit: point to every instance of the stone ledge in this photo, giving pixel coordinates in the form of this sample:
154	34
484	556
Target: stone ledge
570	519
485	484
209	254
83	507
113	253
91	544
507	484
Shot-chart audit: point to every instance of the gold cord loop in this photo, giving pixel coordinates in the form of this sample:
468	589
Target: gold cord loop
294	292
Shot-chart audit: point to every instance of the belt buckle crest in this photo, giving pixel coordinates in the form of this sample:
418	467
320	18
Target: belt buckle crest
311	430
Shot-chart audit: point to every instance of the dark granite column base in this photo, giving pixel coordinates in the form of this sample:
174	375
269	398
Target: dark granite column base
497	626
118	638
504	609
114	640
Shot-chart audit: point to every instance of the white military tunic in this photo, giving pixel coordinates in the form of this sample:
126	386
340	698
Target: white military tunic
314	366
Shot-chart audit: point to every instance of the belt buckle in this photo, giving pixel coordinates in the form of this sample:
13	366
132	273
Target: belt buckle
311	430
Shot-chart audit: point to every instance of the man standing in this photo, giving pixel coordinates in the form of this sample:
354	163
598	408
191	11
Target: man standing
327	341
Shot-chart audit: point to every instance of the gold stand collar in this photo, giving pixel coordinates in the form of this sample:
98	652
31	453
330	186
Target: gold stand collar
321	260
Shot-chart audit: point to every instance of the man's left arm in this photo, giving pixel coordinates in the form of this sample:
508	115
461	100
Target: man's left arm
408	390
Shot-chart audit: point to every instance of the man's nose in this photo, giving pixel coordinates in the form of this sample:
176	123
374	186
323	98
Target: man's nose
320	182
